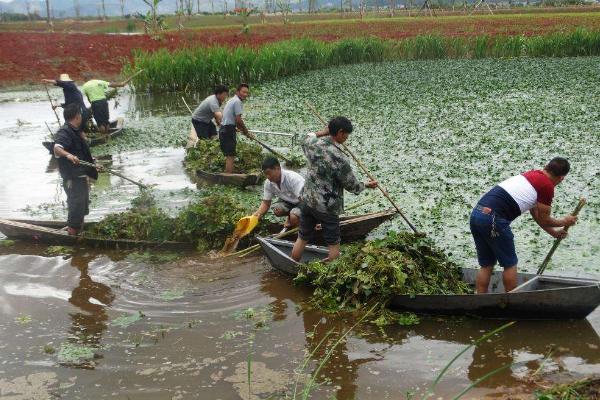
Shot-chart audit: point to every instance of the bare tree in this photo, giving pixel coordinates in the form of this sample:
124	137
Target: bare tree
48	16
103	11
28	8
122	4
312	6
77	8
392	6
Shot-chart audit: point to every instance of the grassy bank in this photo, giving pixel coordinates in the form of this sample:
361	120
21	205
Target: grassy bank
201	68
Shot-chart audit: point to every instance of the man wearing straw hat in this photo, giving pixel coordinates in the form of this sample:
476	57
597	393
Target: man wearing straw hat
72	96
70	147
490	220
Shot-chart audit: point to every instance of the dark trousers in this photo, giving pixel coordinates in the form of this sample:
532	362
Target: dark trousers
78	201
100	111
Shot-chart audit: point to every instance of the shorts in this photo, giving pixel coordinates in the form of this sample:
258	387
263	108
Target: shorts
100	111
330	225
500	248
287	208
204	130
228	140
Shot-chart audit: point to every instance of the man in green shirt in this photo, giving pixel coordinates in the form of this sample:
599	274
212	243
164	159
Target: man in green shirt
95	91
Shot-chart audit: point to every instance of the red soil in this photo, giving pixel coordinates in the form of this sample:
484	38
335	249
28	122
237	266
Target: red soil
26	57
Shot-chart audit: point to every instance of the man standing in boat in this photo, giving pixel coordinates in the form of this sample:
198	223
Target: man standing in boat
95	90
490	220
70	146
209	109
328	174
284	184
72	96
232	121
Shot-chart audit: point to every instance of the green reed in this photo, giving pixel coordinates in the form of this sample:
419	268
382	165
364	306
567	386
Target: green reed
202	67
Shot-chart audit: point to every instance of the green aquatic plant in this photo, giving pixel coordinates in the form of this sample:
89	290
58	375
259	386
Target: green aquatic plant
7	243
128	319
374	271
295	161
70	353
59	250
587	388
207	156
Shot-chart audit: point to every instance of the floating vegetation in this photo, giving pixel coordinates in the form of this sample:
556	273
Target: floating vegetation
59	251
207	156
23	319
387	317
588	388
70	353
296	161
125	320
172	294
453	137
374	271
7	243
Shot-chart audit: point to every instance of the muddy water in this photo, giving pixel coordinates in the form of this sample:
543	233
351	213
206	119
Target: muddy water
202	321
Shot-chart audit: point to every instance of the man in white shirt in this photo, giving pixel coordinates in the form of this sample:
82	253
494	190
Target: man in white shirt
286	186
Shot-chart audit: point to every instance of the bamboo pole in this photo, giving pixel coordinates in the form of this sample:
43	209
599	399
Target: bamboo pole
52	105
366	171
113	172
544	264
252	137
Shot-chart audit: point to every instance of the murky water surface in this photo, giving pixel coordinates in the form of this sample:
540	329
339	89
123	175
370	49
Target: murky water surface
115	325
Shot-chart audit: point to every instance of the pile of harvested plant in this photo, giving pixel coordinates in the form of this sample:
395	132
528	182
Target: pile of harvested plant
207	156
372	272
206	221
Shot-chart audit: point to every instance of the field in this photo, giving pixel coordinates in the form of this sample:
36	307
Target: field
49	54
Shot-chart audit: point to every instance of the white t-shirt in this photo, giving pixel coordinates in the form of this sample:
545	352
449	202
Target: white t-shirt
289	188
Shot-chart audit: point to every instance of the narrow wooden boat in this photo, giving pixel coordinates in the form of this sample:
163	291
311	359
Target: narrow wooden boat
115	129
51	223
52	235
352	227
536	297
222	178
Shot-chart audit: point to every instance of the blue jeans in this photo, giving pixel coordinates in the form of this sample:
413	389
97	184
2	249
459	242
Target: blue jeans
493	238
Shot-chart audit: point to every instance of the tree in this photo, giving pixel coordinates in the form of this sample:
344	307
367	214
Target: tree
103	11
312	6
285	8
77	8
153	23
122	3
48	16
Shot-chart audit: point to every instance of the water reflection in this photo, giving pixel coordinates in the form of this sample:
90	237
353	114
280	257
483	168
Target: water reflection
524	346
92	298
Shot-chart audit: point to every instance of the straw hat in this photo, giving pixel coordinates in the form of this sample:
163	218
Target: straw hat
64	77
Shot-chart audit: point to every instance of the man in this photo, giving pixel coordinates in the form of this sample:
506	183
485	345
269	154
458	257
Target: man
328	174
207	110
232	120
95	91
70	147
286	186
490	219
72	95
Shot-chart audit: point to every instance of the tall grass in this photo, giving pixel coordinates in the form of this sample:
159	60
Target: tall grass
203	67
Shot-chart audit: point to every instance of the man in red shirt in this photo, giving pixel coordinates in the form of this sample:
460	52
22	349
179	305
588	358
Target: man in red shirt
531	191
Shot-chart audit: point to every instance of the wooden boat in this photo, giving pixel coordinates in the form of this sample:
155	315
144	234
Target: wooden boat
352	227
536	297
222	178
51	223
51	235
115	129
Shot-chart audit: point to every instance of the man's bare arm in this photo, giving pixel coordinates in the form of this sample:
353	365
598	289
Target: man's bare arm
263	208
218	117
60	152
239	122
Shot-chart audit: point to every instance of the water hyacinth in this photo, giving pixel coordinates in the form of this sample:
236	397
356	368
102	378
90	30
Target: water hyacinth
374	271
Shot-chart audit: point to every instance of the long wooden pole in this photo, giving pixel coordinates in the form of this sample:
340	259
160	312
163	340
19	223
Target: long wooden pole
544	264
366	171
278	154
110	171
52	105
